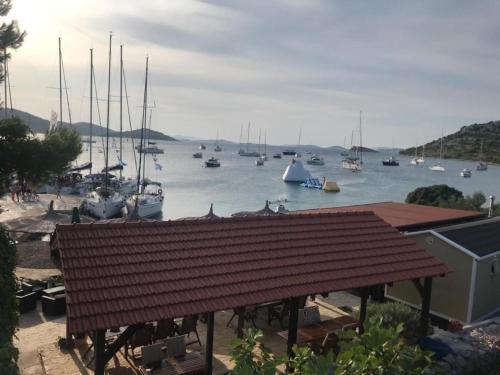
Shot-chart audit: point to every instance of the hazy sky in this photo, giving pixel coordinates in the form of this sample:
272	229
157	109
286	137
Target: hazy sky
412	67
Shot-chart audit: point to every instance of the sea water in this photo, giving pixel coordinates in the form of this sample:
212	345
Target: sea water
240	185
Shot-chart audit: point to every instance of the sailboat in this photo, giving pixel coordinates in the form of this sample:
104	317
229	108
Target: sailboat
437	167
104	203
241	150
481	166
421	160
344	153
148	201
260	161
351	162
217	147
298	154
247	152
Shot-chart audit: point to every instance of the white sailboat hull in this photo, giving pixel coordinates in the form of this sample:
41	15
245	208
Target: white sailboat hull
351	165
437	168
104	208
147	205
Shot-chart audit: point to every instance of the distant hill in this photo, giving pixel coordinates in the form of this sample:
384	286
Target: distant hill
39	125
363	149
466	144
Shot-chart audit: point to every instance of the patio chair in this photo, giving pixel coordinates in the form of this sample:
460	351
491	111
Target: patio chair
188	326
141	337
176	346
309	315
278	312
165	328
249	314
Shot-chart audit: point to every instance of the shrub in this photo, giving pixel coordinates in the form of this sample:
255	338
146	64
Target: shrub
9	316
394	313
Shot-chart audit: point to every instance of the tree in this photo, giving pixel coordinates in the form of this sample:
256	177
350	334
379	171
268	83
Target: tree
446	197
10	34
8	312
33	159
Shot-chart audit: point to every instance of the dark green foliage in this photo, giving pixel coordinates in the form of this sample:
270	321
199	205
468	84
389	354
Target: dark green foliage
447	197
434	195
466	144
31	158
10	35
8	312
380	351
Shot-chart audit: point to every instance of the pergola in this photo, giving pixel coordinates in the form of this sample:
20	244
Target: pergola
131	273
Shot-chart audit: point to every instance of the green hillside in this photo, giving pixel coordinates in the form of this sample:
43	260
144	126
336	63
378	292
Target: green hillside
466	144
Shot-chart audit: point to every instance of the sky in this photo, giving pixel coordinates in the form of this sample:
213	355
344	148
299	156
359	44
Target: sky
412	67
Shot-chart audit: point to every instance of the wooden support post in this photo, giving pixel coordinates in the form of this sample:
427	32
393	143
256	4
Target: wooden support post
419	287
210	343
292	325
99	362
70	342
362	309
426	305
241	321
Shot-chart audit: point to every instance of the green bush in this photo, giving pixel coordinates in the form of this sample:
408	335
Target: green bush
380	351
394	313
9	316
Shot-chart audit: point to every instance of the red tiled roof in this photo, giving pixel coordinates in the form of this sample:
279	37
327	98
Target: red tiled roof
119	274
404	215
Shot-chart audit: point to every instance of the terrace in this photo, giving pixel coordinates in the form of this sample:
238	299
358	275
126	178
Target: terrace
131	275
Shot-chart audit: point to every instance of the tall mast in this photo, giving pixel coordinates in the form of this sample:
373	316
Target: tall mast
107	115
60	85
265	142
360	139
248	135
121	103
241	133
300	134
91	93
5	74
259	142
143	121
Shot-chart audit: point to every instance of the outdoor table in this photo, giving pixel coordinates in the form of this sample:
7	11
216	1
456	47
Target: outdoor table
318	331
54	291
190	363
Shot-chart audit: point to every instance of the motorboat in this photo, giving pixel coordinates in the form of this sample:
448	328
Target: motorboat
466	173
289	152
149	203
481	166
212	163
263	157
437	168
415	161
391	162
149	150
259	162
104	203
352	163
202	147
312	183
298	155
253	154
315	160
277	156
197	155
295	172
218	148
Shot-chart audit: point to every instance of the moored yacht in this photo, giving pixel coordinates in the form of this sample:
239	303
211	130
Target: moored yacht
352	163
104	203
197	155
277	156
466	173
481	166
315	160
391	162
148	203
212	163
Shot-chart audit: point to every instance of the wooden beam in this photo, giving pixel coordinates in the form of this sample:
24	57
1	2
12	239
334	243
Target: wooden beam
241	321
426	305
362	309
210	343
120	341
420	288
70	342
99	344
292	325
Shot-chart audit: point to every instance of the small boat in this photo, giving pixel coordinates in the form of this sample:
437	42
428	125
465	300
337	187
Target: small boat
312	183
344	154
391	162
437	168
481	166
197	155
212	163
277	156
315	160
218	148
259	162
289	152
81	167
116	167
353	163
415	161
151	143
466	173
202	147
254	154
149	150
